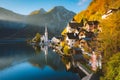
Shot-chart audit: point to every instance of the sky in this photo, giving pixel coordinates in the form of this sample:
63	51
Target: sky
25	7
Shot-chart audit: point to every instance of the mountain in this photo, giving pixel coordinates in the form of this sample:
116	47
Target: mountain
25	26
55	20
7	18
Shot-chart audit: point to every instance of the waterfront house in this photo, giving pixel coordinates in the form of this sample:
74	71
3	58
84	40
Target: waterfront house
71	38
55	40
82	34
82	43
89	35
74	26
91	25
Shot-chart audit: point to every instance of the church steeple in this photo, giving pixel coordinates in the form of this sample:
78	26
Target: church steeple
46	34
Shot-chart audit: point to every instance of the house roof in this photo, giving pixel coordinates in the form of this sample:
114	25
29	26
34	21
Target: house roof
72	36
89	34
92	22
75	25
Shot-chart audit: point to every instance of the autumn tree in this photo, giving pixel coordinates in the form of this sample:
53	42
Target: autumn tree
38	36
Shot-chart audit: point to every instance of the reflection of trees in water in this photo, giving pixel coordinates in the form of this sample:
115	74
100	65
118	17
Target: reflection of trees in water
70	62
66	62
71	66
50	59
37	48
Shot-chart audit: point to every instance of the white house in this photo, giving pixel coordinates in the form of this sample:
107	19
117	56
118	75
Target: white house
55	40
109	12
71	39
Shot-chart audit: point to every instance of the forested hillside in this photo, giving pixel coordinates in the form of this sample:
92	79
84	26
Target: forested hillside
110	35
97	8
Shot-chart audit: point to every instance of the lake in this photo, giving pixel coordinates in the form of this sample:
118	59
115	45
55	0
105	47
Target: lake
20	61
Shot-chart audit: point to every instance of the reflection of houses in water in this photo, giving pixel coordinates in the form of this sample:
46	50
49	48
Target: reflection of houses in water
45	50
76	64
53	61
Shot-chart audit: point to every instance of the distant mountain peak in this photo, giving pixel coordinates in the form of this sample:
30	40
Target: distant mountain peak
59	7
41	11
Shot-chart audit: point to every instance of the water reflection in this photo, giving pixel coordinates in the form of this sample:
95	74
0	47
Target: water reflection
25	62
11	54
66	62
26	71
37	48
42	48
44	58
75	64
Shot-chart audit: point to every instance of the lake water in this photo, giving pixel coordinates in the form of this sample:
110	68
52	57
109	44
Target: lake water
20	61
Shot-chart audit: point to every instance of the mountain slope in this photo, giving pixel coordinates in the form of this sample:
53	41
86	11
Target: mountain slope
97	8
10	16
10	22
36	12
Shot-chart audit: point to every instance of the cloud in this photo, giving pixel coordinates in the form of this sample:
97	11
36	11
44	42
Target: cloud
81	2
